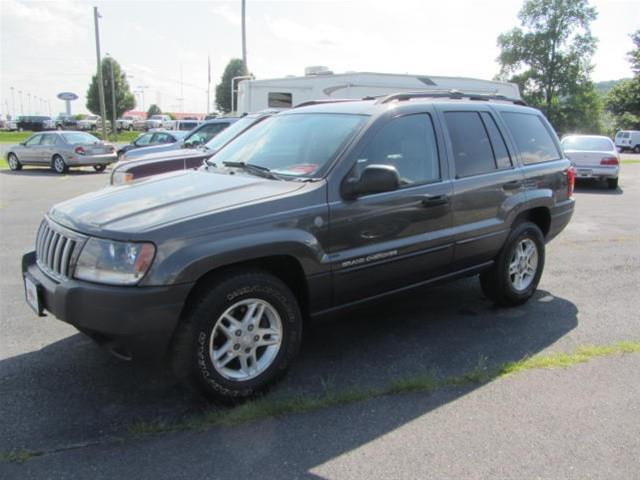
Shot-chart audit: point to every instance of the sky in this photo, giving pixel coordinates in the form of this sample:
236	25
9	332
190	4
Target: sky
47	47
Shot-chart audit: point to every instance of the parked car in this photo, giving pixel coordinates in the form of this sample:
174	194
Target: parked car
10	125
90	122
35	123
66	122
159	121
184	158
127	122
152	138
594	156
185	125
61	150
201	135
312	210
628	140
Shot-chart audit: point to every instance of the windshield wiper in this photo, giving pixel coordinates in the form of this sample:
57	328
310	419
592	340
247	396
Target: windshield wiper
255	169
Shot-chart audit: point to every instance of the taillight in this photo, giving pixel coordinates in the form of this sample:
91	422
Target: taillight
111	148
80	150
571	179
609	161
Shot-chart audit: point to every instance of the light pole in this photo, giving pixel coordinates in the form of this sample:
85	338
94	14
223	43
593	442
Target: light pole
21	105
29	112
103	107
13	103
244	37
113	97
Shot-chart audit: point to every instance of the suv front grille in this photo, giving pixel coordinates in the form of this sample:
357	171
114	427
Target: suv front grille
57	249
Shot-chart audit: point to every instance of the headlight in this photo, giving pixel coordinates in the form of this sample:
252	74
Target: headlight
120	178
114	263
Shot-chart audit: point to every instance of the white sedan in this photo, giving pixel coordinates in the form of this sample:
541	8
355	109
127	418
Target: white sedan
594	156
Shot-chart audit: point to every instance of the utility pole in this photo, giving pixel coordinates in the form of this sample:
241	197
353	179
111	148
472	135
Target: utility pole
244	38
103	107
114	130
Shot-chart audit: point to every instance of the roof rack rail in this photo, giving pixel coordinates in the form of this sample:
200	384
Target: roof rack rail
325	100
453	94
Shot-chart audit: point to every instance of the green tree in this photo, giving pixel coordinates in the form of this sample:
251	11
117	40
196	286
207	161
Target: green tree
623	100
549	56
235	68
125	100
153	110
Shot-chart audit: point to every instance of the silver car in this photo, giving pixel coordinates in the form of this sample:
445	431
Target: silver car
594	156
61	150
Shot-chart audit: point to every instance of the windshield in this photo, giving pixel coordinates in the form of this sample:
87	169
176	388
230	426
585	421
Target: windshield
217	142
156	117
299	144
77	137
598	144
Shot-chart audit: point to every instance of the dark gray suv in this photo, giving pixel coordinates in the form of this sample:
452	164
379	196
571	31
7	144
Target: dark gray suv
312	210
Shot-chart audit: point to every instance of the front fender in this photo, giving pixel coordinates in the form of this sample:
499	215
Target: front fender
188	263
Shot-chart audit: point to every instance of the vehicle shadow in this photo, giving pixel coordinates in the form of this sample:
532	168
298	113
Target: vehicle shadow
81	394
599	187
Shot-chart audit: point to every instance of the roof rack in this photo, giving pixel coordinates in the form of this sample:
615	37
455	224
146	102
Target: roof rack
326	100
453	94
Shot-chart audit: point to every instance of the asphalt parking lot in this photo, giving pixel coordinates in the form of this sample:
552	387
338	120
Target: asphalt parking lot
71	407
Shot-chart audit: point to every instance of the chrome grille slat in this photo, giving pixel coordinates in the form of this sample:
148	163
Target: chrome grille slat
56	249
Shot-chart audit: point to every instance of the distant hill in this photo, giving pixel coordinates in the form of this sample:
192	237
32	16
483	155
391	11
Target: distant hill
604	87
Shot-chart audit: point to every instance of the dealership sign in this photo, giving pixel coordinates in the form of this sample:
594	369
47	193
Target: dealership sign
68	96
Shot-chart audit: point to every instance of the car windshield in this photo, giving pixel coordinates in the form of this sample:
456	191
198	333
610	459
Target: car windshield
92	117
297	145
597	144
230	132
75	138
156	117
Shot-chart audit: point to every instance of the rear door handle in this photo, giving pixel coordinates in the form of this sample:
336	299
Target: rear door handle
434	200
512	185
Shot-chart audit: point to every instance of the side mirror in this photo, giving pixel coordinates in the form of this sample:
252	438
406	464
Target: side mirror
374	179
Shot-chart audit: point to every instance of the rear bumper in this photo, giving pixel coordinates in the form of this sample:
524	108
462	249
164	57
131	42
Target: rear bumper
88	160
132	322
597	172
560	216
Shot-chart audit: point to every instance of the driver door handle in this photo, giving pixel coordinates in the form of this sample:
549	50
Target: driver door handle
434	200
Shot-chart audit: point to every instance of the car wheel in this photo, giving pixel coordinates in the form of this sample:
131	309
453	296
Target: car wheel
636	149
239	337
58	164
93	128
612	183
514	277
130	128
58	127
99	168
14	163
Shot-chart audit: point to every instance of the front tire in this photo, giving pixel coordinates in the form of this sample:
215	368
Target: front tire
239	338
514	277
14	163
59	165
636	149
99	168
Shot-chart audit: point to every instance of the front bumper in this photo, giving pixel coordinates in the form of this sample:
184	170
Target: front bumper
131	322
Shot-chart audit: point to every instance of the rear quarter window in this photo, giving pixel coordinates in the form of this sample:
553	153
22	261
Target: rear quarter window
531	137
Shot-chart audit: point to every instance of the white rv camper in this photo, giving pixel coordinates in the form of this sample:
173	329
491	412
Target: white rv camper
319	83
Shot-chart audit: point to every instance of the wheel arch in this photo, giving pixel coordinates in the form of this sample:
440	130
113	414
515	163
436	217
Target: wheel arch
540	215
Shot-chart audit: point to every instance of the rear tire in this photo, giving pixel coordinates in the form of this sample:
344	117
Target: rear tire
58	165
99	168
251	351
14	163
612	183
514	277
636	149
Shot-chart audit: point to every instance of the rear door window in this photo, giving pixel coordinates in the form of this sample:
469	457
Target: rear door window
33	141
472	150
531	137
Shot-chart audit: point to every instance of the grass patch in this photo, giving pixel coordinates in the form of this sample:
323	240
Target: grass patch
18	137
264	407
630	160
18	456
3	164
